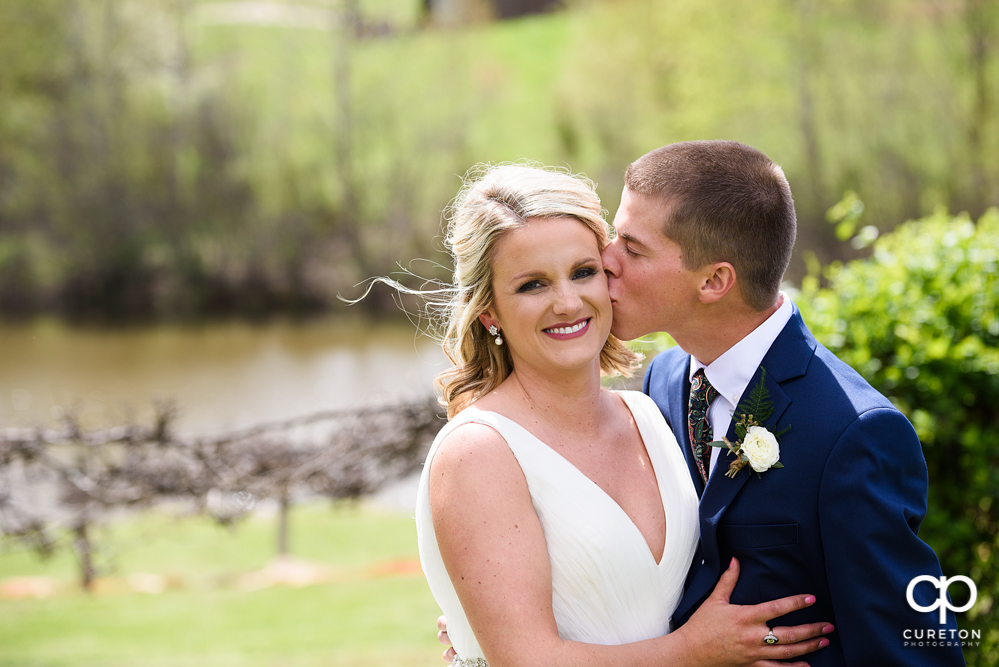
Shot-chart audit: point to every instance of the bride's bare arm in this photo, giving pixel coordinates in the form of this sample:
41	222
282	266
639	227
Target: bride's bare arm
493	546
495	553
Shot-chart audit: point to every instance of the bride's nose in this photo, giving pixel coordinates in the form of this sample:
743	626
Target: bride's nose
567	299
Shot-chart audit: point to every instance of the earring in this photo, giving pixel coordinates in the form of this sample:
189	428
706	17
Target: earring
493	331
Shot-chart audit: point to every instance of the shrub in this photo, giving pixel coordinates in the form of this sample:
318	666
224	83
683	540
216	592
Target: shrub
919	319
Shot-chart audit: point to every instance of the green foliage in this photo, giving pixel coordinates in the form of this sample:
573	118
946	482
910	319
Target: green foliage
155	163
757	407
919	320
845	215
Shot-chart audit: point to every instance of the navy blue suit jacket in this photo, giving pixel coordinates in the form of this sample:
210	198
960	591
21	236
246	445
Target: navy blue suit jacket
839	520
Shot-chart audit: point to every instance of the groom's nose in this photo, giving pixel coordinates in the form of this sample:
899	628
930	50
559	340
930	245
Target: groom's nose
609	258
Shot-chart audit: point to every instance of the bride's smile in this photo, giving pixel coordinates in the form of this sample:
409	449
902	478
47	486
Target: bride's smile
566	331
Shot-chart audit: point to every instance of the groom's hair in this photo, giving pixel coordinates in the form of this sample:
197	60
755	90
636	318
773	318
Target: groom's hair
727	202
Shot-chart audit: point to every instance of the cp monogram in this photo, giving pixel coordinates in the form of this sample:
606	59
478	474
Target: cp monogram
942	583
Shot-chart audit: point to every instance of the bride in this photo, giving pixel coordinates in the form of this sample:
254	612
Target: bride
556	519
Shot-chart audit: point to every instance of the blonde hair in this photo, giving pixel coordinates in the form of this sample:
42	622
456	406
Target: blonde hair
492	201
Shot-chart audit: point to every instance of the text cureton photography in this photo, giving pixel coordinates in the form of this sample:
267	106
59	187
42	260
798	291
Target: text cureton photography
945	637
933	637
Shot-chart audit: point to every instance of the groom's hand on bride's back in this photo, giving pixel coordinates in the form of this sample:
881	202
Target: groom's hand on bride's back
444	639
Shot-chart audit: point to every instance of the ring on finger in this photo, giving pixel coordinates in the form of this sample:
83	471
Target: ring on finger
771	638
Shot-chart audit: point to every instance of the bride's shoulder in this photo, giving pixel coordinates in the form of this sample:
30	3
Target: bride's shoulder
474	431
472	460
471	445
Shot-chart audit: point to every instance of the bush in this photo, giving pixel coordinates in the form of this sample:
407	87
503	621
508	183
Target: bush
919	320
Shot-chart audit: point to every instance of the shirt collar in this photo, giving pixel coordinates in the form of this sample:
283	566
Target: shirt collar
731	373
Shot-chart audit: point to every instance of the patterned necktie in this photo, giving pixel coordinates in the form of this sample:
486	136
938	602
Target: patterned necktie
698	426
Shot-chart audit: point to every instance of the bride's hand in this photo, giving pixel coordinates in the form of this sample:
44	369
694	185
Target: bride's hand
721	633
444	639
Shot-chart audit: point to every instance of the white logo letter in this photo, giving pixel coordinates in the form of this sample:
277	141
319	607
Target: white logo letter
943	603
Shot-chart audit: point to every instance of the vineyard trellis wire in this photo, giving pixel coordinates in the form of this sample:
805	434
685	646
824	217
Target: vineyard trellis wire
57	483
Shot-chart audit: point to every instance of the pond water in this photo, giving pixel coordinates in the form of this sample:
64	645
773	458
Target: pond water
222	375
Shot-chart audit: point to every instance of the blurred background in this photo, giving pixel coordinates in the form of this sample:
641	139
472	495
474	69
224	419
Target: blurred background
186	186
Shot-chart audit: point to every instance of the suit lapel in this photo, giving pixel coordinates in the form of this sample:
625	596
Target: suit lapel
678	392
787	359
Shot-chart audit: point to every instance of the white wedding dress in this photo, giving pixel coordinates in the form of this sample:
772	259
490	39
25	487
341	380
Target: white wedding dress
606	585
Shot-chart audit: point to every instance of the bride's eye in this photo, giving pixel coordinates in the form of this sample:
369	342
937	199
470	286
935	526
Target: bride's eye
584	272
529	286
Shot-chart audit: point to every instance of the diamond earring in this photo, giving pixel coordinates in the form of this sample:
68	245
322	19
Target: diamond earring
493	331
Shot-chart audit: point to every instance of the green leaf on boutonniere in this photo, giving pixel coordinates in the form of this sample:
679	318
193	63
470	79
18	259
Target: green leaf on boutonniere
757	407
740	431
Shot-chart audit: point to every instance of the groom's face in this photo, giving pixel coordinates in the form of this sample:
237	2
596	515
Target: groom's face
650	288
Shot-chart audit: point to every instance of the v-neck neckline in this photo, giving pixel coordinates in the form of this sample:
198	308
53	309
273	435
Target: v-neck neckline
652	460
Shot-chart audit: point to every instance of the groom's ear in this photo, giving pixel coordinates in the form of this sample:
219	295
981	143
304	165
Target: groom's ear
717	280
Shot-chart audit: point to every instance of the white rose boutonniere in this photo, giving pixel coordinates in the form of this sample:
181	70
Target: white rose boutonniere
756	446
761	448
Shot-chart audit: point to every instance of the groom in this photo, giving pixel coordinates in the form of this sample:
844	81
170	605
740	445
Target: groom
704	234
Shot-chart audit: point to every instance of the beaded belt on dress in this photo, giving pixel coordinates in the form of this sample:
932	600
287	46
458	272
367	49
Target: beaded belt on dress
470	662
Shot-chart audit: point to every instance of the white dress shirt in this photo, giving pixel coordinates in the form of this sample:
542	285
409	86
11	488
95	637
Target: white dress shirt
731	373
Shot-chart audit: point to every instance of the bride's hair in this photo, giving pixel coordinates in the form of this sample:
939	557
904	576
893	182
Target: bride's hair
492	201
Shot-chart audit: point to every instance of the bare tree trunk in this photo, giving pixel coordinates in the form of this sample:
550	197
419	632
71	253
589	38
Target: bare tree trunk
978	18
283	511
345	34
181	70
806	70
84	554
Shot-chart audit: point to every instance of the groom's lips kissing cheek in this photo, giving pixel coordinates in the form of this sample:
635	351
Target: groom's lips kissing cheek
568	330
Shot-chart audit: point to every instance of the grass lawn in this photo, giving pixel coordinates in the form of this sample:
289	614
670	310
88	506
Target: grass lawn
377	610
